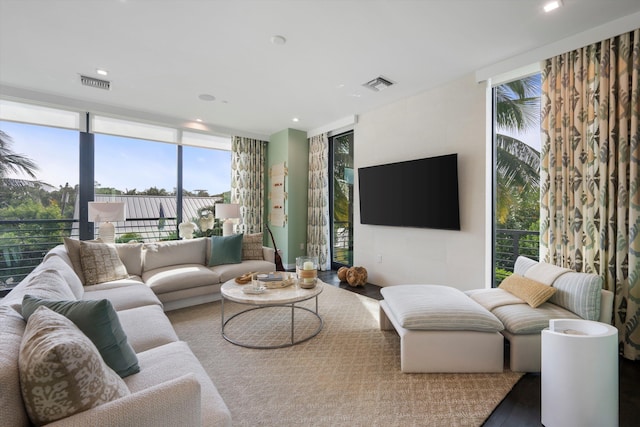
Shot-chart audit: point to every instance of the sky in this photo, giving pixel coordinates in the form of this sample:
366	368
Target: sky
121	163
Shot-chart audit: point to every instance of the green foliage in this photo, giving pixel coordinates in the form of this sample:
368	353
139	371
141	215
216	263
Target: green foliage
31	209
517	164
24	242
108	190
172	236
501	274
128	237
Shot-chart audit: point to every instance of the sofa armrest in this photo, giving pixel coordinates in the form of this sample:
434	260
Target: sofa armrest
606	307
172	403
269	254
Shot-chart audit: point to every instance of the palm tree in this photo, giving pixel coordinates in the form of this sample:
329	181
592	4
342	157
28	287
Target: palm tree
517	164
11	162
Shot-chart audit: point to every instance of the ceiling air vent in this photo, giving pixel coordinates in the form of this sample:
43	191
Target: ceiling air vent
378	84
97	83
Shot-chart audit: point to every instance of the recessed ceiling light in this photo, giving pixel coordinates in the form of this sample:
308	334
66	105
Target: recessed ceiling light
206	97
295	119
552	5
102	71
199	120
279	40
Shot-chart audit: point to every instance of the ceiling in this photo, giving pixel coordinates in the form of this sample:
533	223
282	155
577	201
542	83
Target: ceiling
162	55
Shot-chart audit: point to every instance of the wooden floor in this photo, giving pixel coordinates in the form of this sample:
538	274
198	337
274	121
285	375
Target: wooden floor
521	407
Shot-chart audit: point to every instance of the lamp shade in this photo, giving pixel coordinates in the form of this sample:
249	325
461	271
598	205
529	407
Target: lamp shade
106	211
227	210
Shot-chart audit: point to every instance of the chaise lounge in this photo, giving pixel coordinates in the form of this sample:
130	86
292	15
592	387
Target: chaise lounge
442	329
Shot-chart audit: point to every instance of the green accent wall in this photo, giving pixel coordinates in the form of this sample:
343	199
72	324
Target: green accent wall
291	147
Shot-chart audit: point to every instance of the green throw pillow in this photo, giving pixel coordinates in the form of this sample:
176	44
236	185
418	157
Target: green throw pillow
226	250
98	320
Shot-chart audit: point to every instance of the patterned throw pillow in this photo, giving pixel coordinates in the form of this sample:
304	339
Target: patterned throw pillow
101	263
61	371
532	292
252	247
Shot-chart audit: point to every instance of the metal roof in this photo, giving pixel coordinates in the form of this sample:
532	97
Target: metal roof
151	217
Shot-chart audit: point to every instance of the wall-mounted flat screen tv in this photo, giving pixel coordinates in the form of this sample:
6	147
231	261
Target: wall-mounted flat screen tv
416	193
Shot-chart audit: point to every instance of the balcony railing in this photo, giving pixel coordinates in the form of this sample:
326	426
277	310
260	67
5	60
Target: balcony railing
342	243
24	243
509	245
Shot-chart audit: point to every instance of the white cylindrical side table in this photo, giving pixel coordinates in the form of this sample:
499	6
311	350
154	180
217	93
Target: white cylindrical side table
579	374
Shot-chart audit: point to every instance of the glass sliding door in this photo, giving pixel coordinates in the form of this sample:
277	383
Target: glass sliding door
341	195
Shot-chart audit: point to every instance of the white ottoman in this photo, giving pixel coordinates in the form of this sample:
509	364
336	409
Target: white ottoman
442	330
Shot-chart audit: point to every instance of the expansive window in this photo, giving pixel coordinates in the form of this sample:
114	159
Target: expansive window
38	191
517	173
341	191
160	181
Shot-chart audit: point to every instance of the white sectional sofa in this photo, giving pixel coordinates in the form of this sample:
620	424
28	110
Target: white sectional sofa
576	296
453	332
169	386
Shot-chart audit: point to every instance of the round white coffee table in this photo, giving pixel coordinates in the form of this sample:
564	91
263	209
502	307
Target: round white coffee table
279	297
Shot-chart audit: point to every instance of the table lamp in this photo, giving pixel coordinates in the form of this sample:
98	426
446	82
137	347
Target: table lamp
227	212
104	212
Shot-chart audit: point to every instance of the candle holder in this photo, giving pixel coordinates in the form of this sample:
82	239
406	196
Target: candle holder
307	271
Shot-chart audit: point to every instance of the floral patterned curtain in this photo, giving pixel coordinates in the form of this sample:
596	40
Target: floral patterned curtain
590	171
247	181
318	223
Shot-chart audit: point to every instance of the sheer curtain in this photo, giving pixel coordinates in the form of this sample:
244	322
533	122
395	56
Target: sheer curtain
247	181
590	171
318	222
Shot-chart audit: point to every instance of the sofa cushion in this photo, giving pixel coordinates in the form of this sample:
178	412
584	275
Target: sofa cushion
100	263
524	319
227	272
11	404
532	292
432	307
61	371
170	361
252	247
154	331
48	284
66	271
545	273
226	250
131	256
99	322
522	264
174	252
123	296
73	250
172	278
493	297
579	293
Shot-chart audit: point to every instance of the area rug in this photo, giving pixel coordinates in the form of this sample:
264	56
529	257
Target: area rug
347	375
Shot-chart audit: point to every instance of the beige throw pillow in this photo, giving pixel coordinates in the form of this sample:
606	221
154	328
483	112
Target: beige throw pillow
101	263
532	292
61	371
252	247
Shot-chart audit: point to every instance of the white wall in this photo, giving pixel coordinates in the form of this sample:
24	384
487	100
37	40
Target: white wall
445	120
